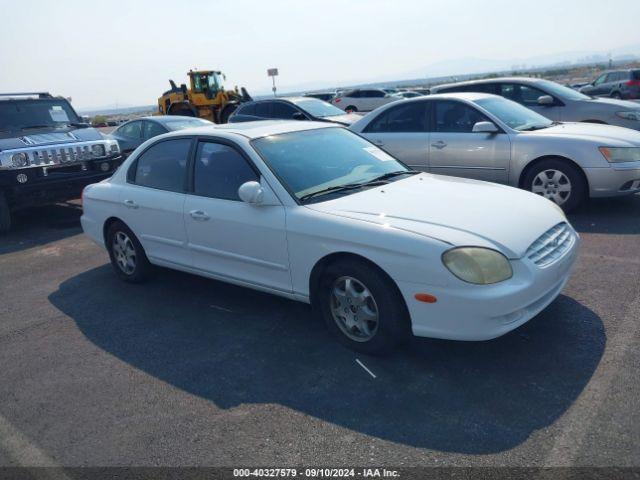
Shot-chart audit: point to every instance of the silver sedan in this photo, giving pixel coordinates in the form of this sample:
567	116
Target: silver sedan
487	137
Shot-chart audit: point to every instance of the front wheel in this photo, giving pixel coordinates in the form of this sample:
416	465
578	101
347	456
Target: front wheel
559	181
363	308
126	253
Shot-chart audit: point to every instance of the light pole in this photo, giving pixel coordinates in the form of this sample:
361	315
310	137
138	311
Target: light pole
273	73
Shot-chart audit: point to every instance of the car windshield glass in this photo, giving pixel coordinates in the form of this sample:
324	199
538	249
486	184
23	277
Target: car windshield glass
21	114
183	123
561	91
313	161
513	114
318	108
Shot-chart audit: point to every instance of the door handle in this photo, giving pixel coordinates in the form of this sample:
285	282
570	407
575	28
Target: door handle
130	204
439	144
199	215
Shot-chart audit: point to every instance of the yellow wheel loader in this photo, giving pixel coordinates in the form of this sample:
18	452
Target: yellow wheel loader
206	98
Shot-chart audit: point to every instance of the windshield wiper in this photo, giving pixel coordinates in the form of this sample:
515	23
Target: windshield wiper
340	188
30	127
386	176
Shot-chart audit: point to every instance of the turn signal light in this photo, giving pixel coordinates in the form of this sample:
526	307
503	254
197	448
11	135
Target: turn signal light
425	297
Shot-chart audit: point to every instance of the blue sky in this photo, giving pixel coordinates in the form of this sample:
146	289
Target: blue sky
103	52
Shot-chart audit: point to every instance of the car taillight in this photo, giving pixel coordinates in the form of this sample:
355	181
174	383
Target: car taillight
633	83
337	100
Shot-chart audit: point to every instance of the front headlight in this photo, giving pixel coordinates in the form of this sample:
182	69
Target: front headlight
98	150
19	160
478	265
620	154
629	115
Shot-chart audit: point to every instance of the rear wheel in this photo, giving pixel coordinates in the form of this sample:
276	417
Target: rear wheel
5	214
182	109
559	181
616	95
362	307
226	113
126	253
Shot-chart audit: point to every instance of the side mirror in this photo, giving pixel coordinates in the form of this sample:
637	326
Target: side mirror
546	100
251	192
298	116
485	127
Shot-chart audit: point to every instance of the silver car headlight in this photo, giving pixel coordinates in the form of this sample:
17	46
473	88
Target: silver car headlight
478	265
629	115
620	154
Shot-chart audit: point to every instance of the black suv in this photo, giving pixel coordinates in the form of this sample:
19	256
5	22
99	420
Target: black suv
47	153
623	84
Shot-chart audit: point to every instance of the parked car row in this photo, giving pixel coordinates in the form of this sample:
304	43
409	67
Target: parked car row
316	213
621	84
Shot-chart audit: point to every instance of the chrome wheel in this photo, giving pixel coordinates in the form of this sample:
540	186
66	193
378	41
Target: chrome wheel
124	252
354	309
552	184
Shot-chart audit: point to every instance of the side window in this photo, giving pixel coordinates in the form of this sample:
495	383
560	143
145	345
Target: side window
530	95
163	165
282	110
455	117
375	93
247	109
410	117
600	79
220	170
152	129
131	130
263	109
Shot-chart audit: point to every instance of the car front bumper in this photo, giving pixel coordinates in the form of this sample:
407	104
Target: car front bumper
483	312
614	180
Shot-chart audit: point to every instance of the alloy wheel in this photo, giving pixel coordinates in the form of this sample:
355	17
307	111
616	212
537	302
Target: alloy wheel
354	309
124	252
553	185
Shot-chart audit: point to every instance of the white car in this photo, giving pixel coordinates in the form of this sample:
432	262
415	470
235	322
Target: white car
363	99
315	213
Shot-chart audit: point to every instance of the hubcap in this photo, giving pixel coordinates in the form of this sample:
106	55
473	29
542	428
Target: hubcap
354	309
552	184
124	252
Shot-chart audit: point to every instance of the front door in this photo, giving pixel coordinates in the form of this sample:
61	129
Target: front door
402	131
455	150
227	237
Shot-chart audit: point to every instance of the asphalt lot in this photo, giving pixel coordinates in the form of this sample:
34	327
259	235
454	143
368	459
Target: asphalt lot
188	371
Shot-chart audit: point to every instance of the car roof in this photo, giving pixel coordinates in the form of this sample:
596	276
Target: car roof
527	80
257	129
468	96
164	118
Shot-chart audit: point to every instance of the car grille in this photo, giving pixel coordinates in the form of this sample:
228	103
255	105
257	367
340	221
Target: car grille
57	155
551	245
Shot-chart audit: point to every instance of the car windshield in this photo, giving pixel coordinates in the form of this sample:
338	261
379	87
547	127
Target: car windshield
21	114
561	91
513	114
312	162
318	108
182	123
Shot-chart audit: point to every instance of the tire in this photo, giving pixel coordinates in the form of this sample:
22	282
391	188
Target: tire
616	95
183	110
5	214
559	181
351	109
340	312
121	239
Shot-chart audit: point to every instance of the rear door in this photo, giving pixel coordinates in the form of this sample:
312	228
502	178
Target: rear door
403	132
455	150
229	238
153	200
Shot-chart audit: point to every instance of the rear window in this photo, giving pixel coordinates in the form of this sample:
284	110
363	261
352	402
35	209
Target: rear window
247	110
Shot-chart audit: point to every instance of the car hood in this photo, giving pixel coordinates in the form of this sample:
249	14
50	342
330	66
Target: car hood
619	105
457	211
593	131
346	119
47	136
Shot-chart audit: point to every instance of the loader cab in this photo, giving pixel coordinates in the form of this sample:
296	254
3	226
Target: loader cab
208	83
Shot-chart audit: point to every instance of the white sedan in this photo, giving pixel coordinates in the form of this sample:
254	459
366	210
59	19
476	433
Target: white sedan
315	213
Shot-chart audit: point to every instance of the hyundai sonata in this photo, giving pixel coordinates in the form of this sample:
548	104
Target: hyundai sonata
315	213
